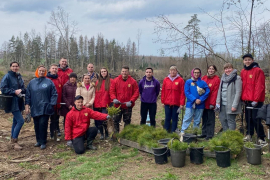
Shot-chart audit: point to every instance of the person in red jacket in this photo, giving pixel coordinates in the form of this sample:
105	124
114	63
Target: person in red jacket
124	92
102	99
53	76
208	122
253	94
64	70
172	98
77	126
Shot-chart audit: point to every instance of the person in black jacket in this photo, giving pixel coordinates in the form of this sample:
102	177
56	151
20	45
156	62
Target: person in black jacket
41	97
13	85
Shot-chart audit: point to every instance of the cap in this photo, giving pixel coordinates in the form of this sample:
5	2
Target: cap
78	97
247	55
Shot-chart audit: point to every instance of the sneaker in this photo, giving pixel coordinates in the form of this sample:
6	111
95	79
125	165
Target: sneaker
263	143
59	134
43	146
181	136
37	144
247	138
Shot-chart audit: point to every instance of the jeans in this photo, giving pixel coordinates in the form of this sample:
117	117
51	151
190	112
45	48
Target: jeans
190	114
100	124
253	121
227	120
152	108
54	121
17	124
171	113
126	113
208	123
78	142
41	126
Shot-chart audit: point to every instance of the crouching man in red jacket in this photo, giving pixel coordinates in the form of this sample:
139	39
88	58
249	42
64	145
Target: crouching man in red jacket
77	128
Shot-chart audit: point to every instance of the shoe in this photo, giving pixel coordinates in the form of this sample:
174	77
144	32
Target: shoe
208	138
59	134
16	145
201	136
101	137
263	143
37	144
43	146
181	136
58	139
247	138
90	144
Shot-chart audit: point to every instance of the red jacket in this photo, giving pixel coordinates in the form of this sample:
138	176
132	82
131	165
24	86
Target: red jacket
124	91
253	87
173	92
64	74
77	122
58	85
102	97
213	84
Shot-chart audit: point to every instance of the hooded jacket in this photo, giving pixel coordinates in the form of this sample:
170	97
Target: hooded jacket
192	93
213	84
124	90
264	113
63	74
149	90
68	96
9	83
172	92
58	85
77	122
88	95
102	97
253	87
41	96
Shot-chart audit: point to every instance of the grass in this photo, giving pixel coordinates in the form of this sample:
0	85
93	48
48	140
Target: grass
95	167
27	165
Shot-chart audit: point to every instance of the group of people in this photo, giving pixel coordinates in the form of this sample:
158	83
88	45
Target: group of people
57	92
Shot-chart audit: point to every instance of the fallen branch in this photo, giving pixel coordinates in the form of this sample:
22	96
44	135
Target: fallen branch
23	160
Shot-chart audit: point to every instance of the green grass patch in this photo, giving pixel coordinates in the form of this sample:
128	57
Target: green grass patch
27	165
66	155
97	167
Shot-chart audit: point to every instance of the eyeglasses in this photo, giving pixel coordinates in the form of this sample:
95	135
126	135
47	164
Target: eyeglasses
196	73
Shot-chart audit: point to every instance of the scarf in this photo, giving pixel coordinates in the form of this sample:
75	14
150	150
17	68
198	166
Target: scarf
228	78
53	76
252	65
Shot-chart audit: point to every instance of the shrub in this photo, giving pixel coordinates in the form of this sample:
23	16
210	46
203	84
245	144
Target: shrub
176	145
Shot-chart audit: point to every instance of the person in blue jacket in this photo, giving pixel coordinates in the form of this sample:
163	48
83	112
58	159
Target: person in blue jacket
149	89
13	85
196	91
41	96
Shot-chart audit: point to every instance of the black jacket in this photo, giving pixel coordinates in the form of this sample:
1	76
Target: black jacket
264	113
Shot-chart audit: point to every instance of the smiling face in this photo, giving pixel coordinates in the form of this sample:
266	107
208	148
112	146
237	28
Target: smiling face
41	71
79	104
248	61
54	69
211	70
86	79
104	73
196	73
228	70
14	67
173	72
63	63
124	73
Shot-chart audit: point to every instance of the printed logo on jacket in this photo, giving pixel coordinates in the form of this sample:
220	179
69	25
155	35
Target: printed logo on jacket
44	85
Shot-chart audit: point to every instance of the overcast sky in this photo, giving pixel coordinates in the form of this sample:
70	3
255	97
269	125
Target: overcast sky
119	19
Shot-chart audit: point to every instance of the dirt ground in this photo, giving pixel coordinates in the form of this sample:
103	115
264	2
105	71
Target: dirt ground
36	164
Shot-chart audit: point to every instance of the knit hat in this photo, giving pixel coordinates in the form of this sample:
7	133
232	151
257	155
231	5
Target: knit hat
247	55
192	75
74	75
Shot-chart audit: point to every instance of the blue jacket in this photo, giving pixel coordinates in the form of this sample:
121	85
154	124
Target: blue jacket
41	96
192	93
11	82
149	90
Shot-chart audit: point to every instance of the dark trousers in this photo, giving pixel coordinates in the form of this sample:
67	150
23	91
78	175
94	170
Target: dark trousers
251	114
208	123
126	113
152	108
41	126
171	113
54	121
78	142
100	124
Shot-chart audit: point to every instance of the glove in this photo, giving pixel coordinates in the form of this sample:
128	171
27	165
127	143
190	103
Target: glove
178	110
217	108
115	101
212	107
108	117
69	143
254	104
128	104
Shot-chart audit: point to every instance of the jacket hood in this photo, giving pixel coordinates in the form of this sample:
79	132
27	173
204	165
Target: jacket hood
74	109
252	65
63	68
53	76
36	73
14	73
192	75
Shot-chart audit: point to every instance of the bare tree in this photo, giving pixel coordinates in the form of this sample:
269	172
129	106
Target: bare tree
139	34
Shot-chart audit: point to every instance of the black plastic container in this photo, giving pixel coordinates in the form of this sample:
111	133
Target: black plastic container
161	155
5	102
254	155
196	155
188	138
223	157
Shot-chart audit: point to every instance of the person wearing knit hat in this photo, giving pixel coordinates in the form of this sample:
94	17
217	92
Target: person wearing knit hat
196	91
73	75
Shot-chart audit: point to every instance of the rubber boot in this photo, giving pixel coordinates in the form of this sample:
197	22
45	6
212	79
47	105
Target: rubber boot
90	144
101	132
16	145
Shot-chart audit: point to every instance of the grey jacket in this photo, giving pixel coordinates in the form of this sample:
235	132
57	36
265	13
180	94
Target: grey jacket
234	92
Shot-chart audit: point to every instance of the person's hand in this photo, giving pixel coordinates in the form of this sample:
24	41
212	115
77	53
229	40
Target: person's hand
129	104
27	109
18	91
181	107
87	105
70	107
69	143
178	110
163	105
233	109
254	104
198	101
115	101
211	107
108	117
217	107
